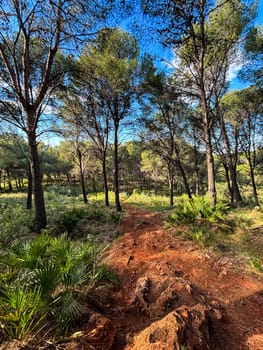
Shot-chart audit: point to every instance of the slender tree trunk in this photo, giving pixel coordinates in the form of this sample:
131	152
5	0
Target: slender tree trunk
254	187
81	177
171	187
196	170
229	187
29	188
83	186
209	152
10	187
105	181
210	169
116	166
232	169
40	211
181	169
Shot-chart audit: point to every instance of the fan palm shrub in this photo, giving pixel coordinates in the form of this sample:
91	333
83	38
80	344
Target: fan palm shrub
197	208
22	310
54	268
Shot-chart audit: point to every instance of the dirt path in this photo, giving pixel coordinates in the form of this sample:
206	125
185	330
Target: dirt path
145	250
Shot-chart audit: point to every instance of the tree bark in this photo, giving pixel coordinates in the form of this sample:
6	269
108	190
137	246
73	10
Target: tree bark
171	187
39	202
232	168
83	187
181	169
29	188
209	152
229	187
196	170
81	177
116	167
170	167
105	181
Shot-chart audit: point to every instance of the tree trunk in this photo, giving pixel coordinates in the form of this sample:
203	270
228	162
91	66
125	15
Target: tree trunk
29	188
105	181
40	211
181	169
254	187
209	152
81	177
116	167
83	187
171	187
10	187
230	189
196	170
232	169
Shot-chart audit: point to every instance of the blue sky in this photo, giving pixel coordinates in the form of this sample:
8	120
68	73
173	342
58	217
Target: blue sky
236	84
259	19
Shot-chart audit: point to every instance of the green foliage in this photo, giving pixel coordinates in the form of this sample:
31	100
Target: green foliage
15	222
182	213
66	214
199	208
257	264
147	200
70	218
49	270
21	310
200	234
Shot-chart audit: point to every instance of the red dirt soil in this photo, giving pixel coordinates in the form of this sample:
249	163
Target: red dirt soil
167	283
145	249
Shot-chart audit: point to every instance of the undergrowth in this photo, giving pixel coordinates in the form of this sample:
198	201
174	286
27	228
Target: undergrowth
227	230
42	278
41	283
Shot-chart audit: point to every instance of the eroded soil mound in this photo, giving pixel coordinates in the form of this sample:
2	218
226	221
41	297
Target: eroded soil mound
176	296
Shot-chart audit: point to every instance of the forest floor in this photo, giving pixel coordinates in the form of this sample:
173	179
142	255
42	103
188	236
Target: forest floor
172	295
149	260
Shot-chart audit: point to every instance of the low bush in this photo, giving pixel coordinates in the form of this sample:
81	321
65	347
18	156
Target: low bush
15	222
201	234
198	208
49	272
22	310
65	219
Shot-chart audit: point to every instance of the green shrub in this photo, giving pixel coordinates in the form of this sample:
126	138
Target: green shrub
198	208
182	213
15	223
55	267
201	234
257	265
22	310
69	219
63	219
